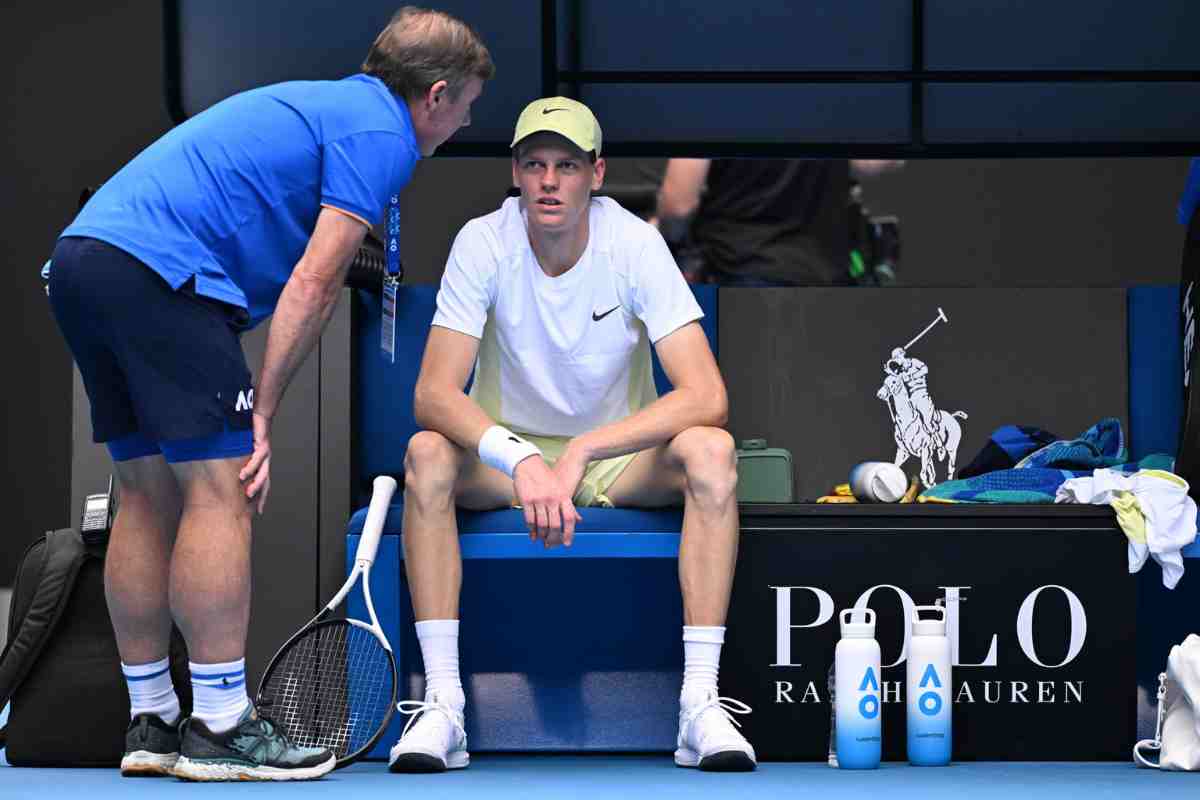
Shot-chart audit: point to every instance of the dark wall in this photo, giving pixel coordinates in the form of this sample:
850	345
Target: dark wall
1091	222
819	361
1036	222
82	89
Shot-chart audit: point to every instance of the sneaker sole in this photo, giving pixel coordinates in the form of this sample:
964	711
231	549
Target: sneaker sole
721	761
418	763
144	764
190	770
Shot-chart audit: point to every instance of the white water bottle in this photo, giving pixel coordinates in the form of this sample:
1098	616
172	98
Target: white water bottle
858	695
928	690
878	482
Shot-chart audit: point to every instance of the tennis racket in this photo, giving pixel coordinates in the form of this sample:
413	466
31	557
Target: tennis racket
333	684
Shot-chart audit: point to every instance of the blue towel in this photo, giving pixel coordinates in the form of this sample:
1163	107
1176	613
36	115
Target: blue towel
1102	445
1006	446
1028	485
1037	476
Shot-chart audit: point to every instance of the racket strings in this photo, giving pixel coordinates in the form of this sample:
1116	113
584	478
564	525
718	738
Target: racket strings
332	688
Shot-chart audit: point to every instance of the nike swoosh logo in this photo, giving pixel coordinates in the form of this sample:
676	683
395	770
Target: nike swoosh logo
549	110
597	317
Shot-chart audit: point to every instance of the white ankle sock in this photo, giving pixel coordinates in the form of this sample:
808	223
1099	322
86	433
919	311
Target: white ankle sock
151	690
219	693
701	660
439	649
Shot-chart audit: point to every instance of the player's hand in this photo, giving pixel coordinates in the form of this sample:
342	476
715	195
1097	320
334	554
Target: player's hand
256	474
546	501
570	469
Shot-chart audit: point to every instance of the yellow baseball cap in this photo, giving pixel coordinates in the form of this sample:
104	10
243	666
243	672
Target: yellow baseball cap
568	118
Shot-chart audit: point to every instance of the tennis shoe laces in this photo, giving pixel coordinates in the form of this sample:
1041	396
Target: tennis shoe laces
434	740
708	733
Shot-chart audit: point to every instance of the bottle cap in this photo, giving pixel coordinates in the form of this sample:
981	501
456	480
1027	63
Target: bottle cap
929	627
858	623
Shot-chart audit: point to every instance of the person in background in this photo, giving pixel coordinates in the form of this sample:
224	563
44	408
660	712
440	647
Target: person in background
762	222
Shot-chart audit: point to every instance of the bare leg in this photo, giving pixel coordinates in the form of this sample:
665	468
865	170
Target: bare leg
210	568
438	472
699	464
138	559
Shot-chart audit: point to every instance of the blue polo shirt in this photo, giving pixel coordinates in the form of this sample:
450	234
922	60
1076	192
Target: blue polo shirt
232	195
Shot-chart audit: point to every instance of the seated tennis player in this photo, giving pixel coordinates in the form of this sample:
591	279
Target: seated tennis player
555	299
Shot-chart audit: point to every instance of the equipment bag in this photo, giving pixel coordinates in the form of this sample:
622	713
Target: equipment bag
61	669
1175	734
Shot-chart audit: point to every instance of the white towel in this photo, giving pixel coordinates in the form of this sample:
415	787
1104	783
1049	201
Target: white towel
1164	502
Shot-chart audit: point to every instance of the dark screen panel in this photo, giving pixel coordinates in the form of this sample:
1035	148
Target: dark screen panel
795	73
227	46
1035	34
1062	112
761	35
776	114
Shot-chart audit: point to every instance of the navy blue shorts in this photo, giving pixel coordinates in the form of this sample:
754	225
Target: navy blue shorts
163	369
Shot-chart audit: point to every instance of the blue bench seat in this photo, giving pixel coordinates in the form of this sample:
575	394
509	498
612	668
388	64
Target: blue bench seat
566	649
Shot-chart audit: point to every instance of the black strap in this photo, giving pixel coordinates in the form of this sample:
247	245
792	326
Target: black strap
64	555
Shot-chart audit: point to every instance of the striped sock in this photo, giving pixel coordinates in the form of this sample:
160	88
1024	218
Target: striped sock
151	690
219	693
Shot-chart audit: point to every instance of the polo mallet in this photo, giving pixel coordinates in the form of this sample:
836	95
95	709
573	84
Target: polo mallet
941	317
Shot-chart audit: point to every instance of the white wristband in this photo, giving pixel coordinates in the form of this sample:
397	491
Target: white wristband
502	449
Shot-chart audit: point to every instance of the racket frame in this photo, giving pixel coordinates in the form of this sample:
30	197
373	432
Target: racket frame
364	557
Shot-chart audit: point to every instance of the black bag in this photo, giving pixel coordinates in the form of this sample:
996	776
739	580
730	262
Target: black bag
61	668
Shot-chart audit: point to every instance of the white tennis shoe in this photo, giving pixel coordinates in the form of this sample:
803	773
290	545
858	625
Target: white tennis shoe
434	739
708	738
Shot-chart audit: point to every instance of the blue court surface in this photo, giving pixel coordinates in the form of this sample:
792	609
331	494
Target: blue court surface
635	776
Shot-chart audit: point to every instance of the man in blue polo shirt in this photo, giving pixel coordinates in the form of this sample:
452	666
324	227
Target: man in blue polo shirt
252	208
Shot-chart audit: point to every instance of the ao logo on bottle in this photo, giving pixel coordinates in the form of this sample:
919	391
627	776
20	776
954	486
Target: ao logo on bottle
930	702
869	705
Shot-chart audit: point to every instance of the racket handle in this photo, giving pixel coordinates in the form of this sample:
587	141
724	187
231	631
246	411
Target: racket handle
381	498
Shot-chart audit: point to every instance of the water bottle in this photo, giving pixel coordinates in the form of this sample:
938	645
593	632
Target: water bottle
878	482
857	685
928	690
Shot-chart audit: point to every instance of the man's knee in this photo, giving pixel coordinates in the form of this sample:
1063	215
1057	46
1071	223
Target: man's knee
148	487
709	459
209	485
431	464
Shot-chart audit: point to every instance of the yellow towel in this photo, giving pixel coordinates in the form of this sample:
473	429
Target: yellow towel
1130	516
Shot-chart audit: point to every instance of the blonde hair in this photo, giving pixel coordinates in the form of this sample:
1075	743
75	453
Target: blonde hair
420	47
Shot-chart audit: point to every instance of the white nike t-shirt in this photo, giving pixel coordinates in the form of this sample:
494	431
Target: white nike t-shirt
563	356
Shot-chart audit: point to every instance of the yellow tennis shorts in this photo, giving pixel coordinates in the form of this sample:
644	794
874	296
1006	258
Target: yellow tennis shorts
598	478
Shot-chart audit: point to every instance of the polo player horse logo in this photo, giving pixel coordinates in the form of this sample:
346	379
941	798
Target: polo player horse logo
920	429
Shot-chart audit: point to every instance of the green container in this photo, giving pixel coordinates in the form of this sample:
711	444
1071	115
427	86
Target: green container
764	473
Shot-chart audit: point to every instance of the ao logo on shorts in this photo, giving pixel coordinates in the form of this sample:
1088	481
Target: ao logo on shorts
245	400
